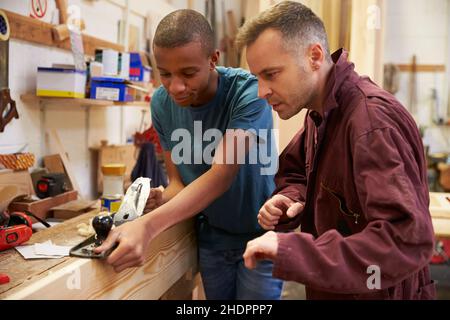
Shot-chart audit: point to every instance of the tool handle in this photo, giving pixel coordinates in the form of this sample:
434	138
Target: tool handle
8	109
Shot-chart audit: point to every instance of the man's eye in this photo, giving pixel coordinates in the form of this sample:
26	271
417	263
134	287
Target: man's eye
164	75
271	75
189	75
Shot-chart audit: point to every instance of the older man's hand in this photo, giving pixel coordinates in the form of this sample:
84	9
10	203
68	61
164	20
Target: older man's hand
262	248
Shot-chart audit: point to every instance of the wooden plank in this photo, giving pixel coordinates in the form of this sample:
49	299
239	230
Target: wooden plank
71	102
54	164
33	30
41	208
168	258
421	67
444	176
67	166
72	209
22	179
62	7
441	227
440	205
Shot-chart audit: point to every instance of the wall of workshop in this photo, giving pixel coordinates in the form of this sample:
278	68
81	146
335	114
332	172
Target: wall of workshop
101	18
421	27
24	134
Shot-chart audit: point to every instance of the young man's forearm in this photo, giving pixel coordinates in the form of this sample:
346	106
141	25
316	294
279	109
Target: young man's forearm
171	190
189	201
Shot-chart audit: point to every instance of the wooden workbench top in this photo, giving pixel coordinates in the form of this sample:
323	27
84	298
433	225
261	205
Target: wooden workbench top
170	256
440	213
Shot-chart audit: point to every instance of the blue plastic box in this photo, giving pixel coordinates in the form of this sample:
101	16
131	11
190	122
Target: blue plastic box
113	89
138	71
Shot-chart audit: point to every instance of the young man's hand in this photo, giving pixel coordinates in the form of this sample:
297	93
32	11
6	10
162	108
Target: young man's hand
275	208
155	199
133	239
262	248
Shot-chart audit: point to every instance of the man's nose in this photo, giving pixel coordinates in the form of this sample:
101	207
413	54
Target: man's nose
177	85
264	91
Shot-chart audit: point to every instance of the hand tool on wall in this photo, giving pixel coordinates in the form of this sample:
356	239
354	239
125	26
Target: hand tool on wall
8	109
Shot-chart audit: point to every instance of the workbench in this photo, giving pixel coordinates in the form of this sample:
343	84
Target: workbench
170	265
440	213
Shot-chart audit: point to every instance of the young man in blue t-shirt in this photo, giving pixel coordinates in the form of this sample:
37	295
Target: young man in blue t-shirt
220	159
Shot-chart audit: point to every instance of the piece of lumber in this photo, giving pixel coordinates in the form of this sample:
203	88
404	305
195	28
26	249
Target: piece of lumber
169	256
62	7
22	179
65	160
232	51
72	209
61	32
444	176
33	30
54	163
440	205
421	67
41	208
441	227
149	38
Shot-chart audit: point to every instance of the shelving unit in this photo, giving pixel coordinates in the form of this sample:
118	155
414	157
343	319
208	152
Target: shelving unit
31	97
45	102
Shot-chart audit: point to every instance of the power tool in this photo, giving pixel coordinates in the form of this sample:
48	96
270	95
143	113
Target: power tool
51	185
16	230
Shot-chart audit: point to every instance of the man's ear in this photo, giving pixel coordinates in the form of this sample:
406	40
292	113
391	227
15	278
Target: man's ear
214	59
316	56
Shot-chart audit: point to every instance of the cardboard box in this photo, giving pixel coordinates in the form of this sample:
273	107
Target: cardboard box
61	82
113	89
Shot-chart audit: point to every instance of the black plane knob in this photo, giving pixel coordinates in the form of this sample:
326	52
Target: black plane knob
102	225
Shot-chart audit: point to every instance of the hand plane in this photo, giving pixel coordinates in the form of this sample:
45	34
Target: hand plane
132	207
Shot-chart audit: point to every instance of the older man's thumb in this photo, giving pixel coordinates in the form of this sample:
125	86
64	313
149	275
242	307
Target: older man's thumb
294	209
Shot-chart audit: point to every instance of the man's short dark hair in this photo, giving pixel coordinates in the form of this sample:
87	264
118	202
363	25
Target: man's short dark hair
183	26
297	23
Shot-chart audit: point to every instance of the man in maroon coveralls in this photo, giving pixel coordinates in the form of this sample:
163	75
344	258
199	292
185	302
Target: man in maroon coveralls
354	177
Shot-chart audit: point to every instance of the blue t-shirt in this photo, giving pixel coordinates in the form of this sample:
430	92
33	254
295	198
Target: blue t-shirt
230	221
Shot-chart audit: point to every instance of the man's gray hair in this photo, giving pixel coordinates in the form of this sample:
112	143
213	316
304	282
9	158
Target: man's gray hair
183	26
297	23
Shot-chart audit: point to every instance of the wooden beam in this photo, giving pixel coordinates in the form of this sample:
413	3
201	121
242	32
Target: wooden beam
62	7
41	208
74	102
21	179
33	30
65	160
422	67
